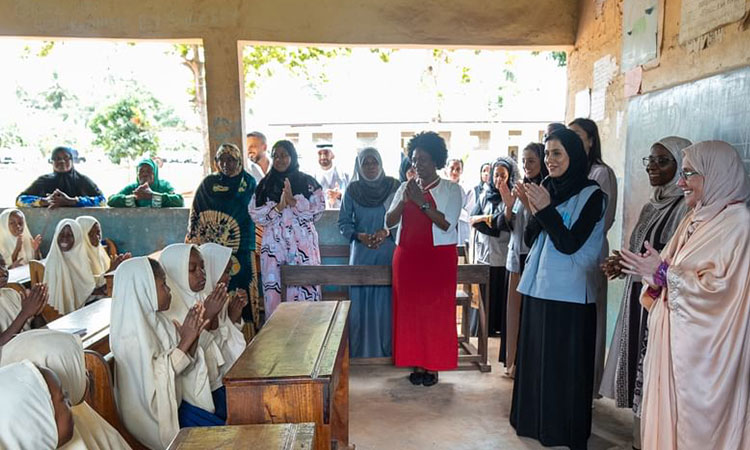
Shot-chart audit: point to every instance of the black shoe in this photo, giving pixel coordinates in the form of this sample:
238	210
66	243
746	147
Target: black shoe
430	379
417	378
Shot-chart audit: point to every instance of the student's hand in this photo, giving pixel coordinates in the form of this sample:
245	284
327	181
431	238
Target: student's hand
215	301
539	197
36	242
119	260
143	192
32	303
191	328
520	192
612	266
414	192
236	305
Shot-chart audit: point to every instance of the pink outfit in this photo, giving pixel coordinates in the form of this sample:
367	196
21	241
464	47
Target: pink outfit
289	238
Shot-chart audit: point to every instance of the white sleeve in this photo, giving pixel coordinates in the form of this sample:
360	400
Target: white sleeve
453	206
397	197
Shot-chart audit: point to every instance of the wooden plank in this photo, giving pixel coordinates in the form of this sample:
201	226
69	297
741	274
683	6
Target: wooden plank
336	275
334	251
293	345
94	318
288	436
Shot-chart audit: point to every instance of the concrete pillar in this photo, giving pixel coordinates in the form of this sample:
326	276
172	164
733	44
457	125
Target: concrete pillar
225	93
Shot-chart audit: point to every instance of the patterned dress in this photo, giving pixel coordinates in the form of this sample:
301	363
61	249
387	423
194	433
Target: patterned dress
289	238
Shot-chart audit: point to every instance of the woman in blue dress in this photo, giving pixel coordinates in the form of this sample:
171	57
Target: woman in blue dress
361	220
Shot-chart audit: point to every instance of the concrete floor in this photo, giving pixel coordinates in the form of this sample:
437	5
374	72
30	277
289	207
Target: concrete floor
465	410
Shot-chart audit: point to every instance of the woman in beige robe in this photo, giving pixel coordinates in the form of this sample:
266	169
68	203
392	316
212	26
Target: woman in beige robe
697	364
62	353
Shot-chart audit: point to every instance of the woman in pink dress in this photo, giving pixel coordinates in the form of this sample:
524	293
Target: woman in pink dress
287	203
425	211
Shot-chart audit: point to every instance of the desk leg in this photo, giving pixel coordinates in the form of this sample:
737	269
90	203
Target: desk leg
484	308
340	413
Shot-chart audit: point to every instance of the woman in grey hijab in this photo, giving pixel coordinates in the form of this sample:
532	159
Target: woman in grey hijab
361	221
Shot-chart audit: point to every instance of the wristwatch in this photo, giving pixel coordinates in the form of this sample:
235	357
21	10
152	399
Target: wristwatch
424	206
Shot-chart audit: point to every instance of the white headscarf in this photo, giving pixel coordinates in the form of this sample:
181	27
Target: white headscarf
62	353
68	274
149	391
230	339
8	241
27	416
10	307
175	259
98	257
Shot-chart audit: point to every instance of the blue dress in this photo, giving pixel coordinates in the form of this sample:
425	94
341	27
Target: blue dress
370	317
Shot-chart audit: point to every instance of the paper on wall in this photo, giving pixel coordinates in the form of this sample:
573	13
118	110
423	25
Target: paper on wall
699	17
605	69
583	103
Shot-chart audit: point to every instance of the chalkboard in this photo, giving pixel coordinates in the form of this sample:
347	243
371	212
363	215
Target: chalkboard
712	108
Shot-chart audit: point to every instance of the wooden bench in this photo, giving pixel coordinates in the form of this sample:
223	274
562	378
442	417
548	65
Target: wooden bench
472	357
100	393
95	318
288	436
296	370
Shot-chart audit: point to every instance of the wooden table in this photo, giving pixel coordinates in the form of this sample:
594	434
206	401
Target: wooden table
296	370
286	436
95	319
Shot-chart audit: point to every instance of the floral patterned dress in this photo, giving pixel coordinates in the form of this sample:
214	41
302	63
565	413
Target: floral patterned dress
289	237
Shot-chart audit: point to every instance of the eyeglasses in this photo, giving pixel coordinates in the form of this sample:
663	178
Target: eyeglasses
61	159
685	174
661	161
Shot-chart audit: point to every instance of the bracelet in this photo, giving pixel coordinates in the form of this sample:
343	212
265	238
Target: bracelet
653	293
660	276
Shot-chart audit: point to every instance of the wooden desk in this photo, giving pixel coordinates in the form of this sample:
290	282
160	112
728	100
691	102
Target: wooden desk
296	370
286	436
95	319
20	275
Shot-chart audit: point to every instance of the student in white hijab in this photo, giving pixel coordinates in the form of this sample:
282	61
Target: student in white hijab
159	368
186	278
19	313
229	337
62	353
16	244
35	414
92	241
67	273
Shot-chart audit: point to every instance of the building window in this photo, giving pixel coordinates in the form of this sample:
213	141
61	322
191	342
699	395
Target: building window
293	137
513	152
322	138
405	138
480	140
514	132
366	139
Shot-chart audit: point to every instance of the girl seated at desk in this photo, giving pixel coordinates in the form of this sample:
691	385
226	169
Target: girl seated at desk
19	312
99	259
160	369
16	244
186	277
67	272
62	353
35	412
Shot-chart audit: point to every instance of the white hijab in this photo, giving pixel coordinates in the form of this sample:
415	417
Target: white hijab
27	416
98	257
149	391
230	338
10	307
62	353
68	274
8	241
175	259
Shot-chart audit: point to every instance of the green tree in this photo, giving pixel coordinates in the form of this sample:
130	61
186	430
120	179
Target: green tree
126	129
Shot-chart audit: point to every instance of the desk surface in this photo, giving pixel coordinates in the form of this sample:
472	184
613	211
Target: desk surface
300	341
20	275
258	437
94	318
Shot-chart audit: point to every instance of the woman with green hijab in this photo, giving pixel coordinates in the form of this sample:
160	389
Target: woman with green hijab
148	190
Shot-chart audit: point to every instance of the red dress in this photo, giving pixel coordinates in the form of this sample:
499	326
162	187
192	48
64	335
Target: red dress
424	295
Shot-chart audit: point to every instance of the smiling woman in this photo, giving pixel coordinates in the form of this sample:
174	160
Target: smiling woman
63	187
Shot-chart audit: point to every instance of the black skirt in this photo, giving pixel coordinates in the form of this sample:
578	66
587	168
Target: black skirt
554	380
498	300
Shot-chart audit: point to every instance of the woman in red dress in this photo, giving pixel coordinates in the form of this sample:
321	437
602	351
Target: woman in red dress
425	212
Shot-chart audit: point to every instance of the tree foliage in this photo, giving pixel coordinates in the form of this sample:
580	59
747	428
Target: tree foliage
127	128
